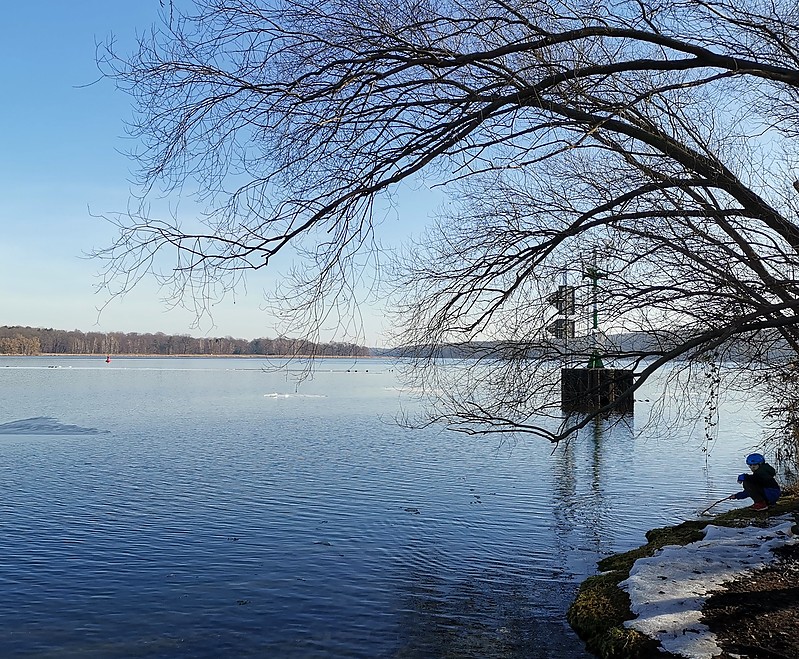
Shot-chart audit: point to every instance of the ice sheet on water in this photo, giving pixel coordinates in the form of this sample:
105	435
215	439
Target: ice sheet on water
44	425
295	395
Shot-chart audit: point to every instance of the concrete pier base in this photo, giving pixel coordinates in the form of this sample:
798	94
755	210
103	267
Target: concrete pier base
589	389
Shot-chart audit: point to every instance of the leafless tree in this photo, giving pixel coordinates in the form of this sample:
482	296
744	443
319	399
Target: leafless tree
650	140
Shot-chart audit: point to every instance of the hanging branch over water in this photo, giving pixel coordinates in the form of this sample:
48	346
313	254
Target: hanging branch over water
657	135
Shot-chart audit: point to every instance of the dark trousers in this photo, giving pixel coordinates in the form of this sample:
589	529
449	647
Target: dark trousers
759	493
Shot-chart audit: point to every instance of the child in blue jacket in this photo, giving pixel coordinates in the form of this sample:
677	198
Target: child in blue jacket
761	484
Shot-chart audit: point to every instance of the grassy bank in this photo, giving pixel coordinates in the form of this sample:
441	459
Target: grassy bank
601	607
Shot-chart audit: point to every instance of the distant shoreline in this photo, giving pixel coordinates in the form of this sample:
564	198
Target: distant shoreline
113	356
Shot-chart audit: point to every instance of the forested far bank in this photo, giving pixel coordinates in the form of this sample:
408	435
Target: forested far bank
15	340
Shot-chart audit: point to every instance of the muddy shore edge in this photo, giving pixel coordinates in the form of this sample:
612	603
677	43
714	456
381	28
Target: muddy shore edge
601	607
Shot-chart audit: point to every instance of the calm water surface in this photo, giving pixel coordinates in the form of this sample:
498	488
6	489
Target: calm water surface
207	508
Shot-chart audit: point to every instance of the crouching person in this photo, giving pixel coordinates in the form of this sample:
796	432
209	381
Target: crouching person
761	485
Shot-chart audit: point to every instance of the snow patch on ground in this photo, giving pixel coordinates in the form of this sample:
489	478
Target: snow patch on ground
667	591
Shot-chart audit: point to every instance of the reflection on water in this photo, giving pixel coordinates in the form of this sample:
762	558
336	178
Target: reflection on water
204	508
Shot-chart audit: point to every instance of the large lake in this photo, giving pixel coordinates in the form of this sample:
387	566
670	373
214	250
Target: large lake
210	508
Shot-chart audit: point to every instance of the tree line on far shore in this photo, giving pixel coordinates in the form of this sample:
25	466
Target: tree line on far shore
16	340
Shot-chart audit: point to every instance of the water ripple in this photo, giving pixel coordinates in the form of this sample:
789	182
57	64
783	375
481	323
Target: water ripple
207	522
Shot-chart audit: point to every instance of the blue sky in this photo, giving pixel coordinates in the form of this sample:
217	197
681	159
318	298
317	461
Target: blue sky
62	136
